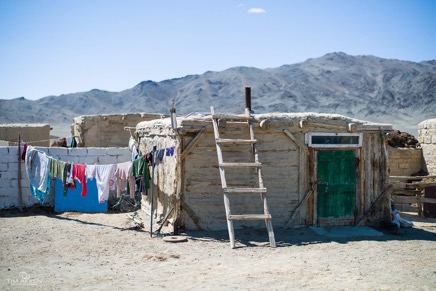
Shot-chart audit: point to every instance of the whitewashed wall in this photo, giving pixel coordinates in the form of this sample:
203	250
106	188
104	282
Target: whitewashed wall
427	138
9	169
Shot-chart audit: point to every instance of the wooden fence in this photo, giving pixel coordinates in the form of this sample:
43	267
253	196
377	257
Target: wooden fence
409	192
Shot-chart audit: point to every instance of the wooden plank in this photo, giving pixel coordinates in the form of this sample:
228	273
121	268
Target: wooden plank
296	141
191	213
241	165
407	208
192	144
407	192
419	185
236	141
428	200
414	178
297	209
244	190
229	116
387	191
250	217
405	199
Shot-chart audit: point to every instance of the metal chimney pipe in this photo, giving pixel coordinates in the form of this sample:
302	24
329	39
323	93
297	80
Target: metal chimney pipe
248	98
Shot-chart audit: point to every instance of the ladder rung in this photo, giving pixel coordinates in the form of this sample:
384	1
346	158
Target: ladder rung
244	190
236	141
249	217
241	165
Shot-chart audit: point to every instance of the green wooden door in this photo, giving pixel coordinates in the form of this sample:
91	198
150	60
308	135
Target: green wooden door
336	183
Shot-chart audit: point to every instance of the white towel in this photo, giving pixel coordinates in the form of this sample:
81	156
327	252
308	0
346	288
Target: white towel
90	171
105	179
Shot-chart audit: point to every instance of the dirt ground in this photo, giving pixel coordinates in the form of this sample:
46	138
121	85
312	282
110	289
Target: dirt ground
44	251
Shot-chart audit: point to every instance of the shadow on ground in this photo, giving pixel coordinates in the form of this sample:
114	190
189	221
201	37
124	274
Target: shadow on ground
424	229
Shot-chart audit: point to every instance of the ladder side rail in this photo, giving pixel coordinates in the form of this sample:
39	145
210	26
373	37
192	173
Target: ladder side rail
268	222
230	228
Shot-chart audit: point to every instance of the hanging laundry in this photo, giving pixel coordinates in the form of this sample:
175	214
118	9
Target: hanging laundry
57	169
105	178
124	177
78	173
170	151
38	171
70	142
159	156
133	147
23	151
73	142
140	168
90	172
66	180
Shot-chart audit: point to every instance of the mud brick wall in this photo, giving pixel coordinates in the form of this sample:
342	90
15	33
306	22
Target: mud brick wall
427	138
38	134
9	169
404	161
107	130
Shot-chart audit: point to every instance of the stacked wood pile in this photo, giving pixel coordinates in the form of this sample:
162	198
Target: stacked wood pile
408	192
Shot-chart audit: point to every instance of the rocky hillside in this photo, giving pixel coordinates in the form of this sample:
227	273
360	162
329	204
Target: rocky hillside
383	90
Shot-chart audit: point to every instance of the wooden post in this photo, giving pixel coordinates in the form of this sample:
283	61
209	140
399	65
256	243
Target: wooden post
20	191
152	190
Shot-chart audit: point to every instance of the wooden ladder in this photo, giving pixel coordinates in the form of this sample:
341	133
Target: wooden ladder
218	120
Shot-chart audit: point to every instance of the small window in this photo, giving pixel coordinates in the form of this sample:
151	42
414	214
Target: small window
333	140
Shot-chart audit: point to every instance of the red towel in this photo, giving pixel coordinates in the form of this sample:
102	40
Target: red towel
79	174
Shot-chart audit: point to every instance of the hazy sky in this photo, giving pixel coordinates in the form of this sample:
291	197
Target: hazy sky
53	47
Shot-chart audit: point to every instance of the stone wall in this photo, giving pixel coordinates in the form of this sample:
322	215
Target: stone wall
107	130
427	138
36	134
404	161
9	169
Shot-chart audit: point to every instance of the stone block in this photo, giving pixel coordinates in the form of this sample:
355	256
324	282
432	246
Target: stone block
117	151
14	166
4	151
81	152
104	160
74	159
9	158
9	175
57	152
8	191
90	160
3	166
6	182
96	151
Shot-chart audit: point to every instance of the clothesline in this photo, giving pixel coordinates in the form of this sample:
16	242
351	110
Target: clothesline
40	168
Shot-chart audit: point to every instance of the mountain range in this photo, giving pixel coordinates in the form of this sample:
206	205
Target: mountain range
401	93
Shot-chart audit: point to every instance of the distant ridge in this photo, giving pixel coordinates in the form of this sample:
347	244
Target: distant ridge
399	92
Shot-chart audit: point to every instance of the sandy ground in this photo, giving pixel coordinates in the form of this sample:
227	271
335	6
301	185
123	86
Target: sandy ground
82	251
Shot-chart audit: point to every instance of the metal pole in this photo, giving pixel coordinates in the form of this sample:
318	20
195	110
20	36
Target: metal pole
152	190
20	192
248	98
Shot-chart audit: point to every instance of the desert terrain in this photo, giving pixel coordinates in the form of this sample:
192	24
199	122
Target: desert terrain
41	250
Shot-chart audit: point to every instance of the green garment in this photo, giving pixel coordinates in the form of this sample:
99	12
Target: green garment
140	168
57	168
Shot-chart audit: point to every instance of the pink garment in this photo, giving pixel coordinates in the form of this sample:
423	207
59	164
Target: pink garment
123	173
79	174
105	179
